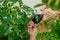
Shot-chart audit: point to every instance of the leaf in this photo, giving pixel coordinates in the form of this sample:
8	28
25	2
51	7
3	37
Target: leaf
7	31
14	0
16	29
57	6
5	2
3	24
10	4
38	5
20	1
51	4
27	9
2	12
45	1
7	19
58	23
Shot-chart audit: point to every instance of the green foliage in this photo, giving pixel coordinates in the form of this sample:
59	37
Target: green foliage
47	36
53	4
14	20
38	5
45	1
55	31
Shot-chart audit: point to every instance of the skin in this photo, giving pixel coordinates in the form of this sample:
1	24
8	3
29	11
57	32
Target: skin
32	30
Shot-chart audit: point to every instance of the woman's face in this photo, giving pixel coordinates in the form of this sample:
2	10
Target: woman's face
47	11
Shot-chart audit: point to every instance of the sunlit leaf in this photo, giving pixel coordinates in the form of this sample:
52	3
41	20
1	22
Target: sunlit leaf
7	31
45	1
38	5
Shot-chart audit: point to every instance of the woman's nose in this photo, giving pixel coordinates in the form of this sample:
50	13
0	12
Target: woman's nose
43	8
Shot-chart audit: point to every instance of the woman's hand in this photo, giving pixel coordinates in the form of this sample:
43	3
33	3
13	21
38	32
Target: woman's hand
32	30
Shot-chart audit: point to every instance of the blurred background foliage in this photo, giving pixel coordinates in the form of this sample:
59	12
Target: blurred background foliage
53	4
14	20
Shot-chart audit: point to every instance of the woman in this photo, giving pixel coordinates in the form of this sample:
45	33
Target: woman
49	14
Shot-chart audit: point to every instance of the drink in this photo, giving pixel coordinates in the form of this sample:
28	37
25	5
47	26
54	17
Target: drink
37	18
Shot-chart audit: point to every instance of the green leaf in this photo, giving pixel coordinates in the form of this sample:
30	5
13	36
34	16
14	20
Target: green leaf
20	1
52	3
7	31
56	6
45	1
27	9
5	2
16	29
14	0
9	5
38	5
7	19
1	1
3	24
2	12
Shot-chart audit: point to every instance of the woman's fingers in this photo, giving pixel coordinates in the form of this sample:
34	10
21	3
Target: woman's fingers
31	26
31	23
